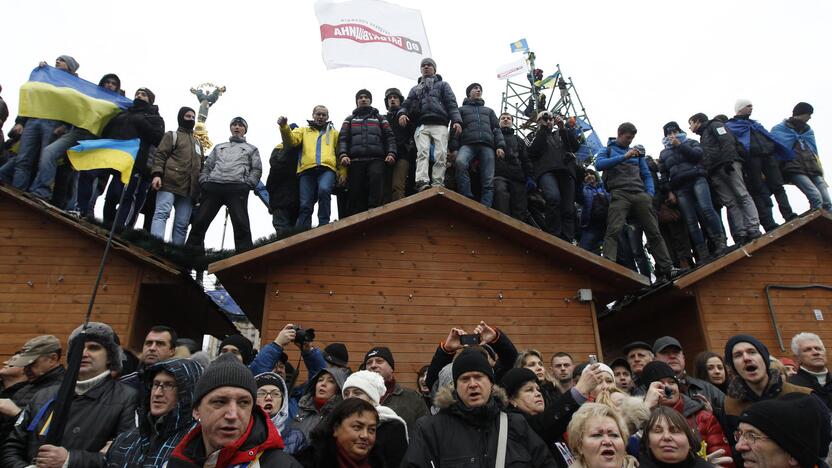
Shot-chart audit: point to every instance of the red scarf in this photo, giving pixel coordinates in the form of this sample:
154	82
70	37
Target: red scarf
391	386
344	460
320	402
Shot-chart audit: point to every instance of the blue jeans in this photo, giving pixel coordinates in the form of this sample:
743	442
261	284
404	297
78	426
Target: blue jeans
592	237
165	201
693	199
50	157
815	189
315	185
37	133
486	156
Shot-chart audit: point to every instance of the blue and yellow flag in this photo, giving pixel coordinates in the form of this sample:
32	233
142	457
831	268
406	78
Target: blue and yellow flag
55	94
105	154
520	46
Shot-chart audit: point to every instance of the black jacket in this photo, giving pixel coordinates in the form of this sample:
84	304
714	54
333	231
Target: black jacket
324	454
479	126
141	120
23	395
515	165
805	161
407	404
506	356
551	424
150	444
282	183
366	134
681	165
96	417
405	145
431	102
463	436
549	152
805	379
718	146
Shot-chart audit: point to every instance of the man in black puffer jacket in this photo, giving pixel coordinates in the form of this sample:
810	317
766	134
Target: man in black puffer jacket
480	137
513	174
724	167
430	104
282	185
365	144
141	120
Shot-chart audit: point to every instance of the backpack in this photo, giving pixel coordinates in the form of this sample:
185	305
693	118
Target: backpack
600	209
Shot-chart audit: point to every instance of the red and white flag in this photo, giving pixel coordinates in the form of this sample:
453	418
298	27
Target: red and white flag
374	34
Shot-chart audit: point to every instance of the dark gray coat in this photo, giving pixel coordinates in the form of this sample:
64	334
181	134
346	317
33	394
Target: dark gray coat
431	102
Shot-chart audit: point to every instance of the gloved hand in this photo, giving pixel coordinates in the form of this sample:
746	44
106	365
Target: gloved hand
531	186
728	168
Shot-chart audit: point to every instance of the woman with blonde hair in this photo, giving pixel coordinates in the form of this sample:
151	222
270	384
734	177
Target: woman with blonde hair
597	438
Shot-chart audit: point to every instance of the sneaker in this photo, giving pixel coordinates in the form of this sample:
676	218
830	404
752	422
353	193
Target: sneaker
421	186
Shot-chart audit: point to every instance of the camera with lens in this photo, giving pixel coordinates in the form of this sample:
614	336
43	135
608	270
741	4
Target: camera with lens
303	336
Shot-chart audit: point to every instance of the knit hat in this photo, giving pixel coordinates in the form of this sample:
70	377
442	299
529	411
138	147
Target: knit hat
268	378
337	354
150	95
792	421
108	77
671	127
240	121
369	382
382	352
104	335
180	116
602	366
655	371
514	379
392	92
803	108
36	347
470	87
471	360
741	104
428	60
364	91
241	343
761	348
71	63
225	371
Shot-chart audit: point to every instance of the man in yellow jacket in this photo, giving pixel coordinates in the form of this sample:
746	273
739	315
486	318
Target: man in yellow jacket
317	165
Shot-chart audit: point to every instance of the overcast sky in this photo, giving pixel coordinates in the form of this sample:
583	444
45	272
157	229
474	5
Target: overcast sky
644	62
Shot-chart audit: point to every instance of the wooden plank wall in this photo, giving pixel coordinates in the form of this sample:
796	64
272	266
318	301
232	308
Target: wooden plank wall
61	266
405	285
733	300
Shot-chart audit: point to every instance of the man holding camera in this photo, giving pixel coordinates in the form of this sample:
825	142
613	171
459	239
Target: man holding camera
630	183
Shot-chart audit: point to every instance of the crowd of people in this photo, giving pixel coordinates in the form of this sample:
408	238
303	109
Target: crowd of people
427	139
478	404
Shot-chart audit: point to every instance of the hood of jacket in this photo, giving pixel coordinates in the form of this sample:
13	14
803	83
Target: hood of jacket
186	372
307	401
688	406
282	415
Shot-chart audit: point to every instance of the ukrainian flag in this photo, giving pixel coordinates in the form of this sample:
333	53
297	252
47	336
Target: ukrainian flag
57	95
105	154
520	46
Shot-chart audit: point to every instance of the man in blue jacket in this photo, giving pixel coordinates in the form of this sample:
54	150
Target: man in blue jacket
630	183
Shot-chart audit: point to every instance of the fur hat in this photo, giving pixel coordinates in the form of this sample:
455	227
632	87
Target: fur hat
392	92
104	335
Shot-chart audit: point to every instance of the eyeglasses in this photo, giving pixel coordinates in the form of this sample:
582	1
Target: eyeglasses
751	437
164	386
273	394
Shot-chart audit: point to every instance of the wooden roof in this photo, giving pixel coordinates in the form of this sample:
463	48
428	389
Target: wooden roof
617	276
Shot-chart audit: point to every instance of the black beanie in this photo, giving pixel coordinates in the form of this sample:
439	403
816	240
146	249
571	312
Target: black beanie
392	92
337	354
268	378
180	117
761	348
803	108
242	343
225	371
364	91
471	360
240	121
150	95
514	379
671	126
655	371
382	352
470	87
792	421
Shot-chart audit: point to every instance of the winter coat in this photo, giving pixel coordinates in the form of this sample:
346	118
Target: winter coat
282	182
463	436
405	145
233	162
718	146
629	175
515	165
551	424
96	417
259	447
755	141
324	454
318	145
801	139
391	436
407	404
141	120
502	346
24	393
705	423
365	134
588	193
691	462
431	102
179	165
480	126
805	379
681	165
553	151
308	414
693	387
150	444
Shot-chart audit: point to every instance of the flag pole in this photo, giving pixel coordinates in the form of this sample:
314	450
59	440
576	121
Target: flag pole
63	400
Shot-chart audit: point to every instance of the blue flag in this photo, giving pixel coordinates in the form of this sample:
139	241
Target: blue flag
520	46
